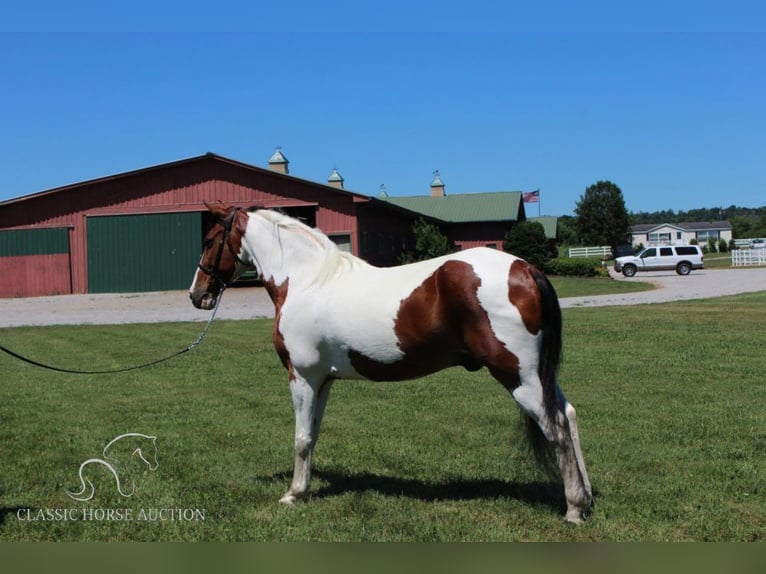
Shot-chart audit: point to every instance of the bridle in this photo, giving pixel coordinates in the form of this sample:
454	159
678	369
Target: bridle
214	271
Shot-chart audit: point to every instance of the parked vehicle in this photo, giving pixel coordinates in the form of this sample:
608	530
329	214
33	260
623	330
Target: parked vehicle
758	244
681	258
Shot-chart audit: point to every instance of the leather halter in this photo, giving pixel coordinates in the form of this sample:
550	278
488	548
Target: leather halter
214	271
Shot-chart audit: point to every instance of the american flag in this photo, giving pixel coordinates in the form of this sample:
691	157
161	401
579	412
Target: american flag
531	196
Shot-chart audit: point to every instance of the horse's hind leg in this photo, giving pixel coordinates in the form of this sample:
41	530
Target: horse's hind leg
309	404
577	487
564	435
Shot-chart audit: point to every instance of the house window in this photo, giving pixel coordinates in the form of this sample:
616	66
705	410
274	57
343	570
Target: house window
659	238
703	236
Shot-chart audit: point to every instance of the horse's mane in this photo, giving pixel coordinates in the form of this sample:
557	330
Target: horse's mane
334	261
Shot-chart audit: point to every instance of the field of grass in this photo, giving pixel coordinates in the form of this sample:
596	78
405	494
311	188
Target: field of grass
670	400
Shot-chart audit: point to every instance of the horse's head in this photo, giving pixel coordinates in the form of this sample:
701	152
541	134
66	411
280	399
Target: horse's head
150	456
220	262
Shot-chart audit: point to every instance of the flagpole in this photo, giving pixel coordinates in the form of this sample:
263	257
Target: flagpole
539	201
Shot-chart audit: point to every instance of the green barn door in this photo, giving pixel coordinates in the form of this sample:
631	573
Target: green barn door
132	253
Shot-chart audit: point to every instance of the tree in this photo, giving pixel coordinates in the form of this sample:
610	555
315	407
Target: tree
527	240
567	230
429	242
602	218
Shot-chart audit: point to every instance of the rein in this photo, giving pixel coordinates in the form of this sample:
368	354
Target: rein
195	344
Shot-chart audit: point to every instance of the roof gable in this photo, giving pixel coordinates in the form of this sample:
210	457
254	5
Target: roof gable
188	161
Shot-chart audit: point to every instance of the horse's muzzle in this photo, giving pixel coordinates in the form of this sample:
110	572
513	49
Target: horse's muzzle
203	301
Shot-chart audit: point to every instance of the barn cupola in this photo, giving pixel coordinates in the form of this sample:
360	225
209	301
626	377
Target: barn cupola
335	179
437	185
278	162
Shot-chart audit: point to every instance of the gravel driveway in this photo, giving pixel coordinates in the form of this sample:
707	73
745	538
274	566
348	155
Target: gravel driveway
252	302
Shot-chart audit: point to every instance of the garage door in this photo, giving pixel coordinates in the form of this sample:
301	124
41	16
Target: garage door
132	253
34	262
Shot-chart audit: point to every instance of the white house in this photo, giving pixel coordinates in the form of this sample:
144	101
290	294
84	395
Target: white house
679	233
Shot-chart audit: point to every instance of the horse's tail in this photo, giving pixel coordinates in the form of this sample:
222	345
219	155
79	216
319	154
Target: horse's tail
549	360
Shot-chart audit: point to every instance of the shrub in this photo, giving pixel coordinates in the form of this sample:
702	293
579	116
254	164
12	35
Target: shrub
723	247
527	240
430	242
576	266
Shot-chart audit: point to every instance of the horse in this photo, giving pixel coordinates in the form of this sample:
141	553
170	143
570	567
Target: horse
338	317
134	443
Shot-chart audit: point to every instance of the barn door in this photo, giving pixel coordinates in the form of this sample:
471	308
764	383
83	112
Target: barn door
133	253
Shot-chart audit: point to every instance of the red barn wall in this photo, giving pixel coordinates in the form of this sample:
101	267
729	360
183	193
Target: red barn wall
467	235
35	275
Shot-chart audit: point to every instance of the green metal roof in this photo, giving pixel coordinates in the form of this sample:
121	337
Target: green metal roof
464	207
549	222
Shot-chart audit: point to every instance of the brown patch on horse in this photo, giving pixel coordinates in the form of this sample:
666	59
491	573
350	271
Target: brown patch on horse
278	294
524	294
442	324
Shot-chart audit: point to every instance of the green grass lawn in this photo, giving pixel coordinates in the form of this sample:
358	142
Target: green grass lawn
670	401
582	286
717	260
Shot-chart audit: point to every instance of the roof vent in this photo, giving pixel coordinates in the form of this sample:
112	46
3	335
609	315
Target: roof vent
335	179
437	185
278	162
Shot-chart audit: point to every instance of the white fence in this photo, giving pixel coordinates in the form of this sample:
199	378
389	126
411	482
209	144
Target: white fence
741	257
605	252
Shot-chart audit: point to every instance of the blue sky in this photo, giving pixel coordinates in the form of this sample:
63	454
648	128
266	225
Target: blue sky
671	110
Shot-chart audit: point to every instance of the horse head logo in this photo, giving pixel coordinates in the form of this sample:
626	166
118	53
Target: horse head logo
118	451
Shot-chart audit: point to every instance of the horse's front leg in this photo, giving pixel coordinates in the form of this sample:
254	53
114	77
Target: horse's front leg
309	403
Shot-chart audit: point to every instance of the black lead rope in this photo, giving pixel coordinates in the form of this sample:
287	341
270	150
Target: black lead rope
195	344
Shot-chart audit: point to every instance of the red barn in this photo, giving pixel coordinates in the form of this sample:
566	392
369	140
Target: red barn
142	230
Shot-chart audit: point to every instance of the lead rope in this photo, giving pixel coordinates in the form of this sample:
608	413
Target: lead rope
195	344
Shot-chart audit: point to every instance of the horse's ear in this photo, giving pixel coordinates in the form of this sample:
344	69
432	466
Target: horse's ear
220	209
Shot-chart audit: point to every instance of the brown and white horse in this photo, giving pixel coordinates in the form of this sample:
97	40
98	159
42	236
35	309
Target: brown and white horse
337	317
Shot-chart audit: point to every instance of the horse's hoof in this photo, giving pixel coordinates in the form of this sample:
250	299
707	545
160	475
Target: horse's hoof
575	516
288	499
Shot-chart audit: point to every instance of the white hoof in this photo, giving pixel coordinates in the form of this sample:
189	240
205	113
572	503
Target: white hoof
575	516
288	499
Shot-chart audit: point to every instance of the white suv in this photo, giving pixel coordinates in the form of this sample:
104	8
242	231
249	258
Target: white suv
682	258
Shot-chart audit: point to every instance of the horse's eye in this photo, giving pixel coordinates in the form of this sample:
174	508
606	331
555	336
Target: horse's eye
208	243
